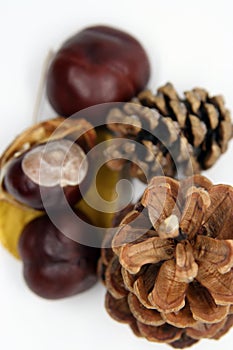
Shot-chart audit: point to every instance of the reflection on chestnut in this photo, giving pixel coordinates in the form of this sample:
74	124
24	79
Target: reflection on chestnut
54	265
97	65
48	175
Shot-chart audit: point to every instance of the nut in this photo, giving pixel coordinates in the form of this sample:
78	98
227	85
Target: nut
54	265
97	65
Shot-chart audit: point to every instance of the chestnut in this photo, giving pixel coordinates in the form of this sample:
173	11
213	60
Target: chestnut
55	266
48	175
97	65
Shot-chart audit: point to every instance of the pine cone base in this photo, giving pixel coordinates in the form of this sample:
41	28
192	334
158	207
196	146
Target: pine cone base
171	280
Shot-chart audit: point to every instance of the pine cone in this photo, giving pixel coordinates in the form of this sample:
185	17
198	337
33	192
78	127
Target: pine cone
177	135
169	271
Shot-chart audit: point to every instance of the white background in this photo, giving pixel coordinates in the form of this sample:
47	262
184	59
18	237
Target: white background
190	44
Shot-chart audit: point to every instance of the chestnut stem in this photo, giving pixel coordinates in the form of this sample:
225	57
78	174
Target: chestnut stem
41	87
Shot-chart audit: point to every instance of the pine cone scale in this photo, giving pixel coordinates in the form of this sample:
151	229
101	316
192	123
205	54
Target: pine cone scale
182	319
165	333
219	285
205	330
150	317
203	307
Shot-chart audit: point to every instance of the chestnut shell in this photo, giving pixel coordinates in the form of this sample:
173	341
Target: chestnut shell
97	65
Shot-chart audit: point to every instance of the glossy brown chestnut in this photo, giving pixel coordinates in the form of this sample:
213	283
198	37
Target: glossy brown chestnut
54	265
54	186
97	65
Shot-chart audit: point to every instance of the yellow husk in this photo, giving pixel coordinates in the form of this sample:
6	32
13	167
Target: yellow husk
105	182
13	219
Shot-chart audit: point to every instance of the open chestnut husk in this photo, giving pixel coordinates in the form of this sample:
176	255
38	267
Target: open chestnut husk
45	166
15	216
54	265
97	65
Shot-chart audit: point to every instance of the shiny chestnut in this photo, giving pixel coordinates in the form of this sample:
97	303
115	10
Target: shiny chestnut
54	265
48	175
97	65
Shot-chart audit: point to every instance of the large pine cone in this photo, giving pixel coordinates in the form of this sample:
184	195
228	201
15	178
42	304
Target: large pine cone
177	135
169	271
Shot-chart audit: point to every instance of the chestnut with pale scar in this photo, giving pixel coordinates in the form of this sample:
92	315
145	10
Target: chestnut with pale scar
44	169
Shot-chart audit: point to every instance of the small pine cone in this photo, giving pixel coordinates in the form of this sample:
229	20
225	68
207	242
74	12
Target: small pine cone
169	271
165	135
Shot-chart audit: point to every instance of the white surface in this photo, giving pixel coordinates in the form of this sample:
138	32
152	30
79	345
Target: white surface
189	44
